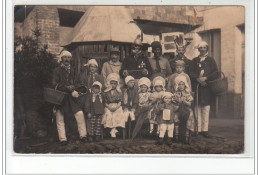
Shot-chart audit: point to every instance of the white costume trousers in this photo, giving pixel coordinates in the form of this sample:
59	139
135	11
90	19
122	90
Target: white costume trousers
164	127
202	115
60	126
79	116
81	124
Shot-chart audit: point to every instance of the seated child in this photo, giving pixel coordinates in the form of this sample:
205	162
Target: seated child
91	75
94	108
113	115
155	97
183	98
130	98
165	111
180	67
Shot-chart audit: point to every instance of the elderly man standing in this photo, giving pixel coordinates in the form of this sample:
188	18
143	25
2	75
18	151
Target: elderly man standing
137	65
203	69
160	65
63	79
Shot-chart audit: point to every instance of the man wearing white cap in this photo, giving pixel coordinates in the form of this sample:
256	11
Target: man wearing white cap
203	69
63	79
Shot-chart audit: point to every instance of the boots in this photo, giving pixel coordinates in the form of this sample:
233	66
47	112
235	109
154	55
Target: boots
97	138
177	133
187	137
160	141
169	141
205	134
90	139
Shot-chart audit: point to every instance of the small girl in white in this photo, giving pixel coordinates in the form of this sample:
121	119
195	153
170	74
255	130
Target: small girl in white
182	97
155	97
113	115
166	116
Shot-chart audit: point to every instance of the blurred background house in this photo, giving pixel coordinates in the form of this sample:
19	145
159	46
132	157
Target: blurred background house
223	27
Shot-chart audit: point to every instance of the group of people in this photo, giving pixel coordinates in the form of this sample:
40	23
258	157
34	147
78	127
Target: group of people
155	89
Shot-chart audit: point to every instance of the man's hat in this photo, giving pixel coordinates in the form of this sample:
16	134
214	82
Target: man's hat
156	44
114	50
138	41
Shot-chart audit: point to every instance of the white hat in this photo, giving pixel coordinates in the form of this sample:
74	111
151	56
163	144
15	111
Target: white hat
159	81
167	94
65	53
202	44
92	61
113	77
144	81
128	78
181	78
97	83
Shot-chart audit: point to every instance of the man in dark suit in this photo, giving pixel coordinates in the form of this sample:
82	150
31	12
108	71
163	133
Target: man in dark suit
203	69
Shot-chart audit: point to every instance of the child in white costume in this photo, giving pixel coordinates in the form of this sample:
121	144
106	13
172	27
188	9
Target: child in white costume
165	111
155	97
182	97
113	115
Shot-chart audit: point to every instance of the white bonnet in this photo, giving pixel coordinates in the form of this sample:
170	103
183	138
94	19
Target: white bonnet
128	78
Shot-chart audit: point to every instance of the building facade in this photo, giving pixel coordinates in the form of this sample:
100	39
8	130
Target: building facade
223	27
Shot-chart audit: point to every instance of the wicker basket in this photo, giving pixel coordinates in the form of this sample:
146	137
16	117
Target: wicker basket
53	96
218	86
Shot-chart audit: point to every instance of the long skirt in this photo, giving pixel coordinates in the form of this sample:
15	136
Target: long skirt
113	119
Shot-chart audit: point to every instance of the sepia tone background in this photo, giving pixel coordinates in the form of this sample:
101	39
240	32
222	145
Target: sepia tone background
222	27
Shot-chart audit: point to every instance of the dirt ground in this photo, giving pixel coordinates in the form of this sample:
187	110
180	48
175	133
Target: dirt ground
226	137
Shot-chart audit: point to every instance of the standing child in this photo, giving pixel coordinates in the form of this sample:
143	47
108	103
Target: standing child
130	98
183	98
89	78
155	97
94	109
144	85
113	115
166	116
179	70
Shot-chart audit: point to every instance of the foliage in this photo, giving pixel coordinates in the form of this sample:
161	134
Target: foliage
33	63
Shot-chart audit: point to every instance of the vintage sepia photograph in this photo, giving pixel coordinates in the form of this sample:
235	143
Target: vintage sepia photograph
129	79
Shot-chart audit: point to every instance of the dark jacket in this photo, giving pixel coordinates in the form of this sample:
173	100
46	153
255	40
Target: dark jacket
62	78
134	66
95	108
210	71
130	98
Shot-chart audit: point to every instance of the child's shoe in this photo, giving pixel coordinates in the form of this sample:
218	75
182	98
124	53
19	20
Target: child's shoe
90	139
97	138
176	138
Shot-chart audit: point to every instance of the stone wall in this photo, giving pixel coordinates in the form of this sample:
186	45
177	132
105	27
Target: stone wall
45	18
